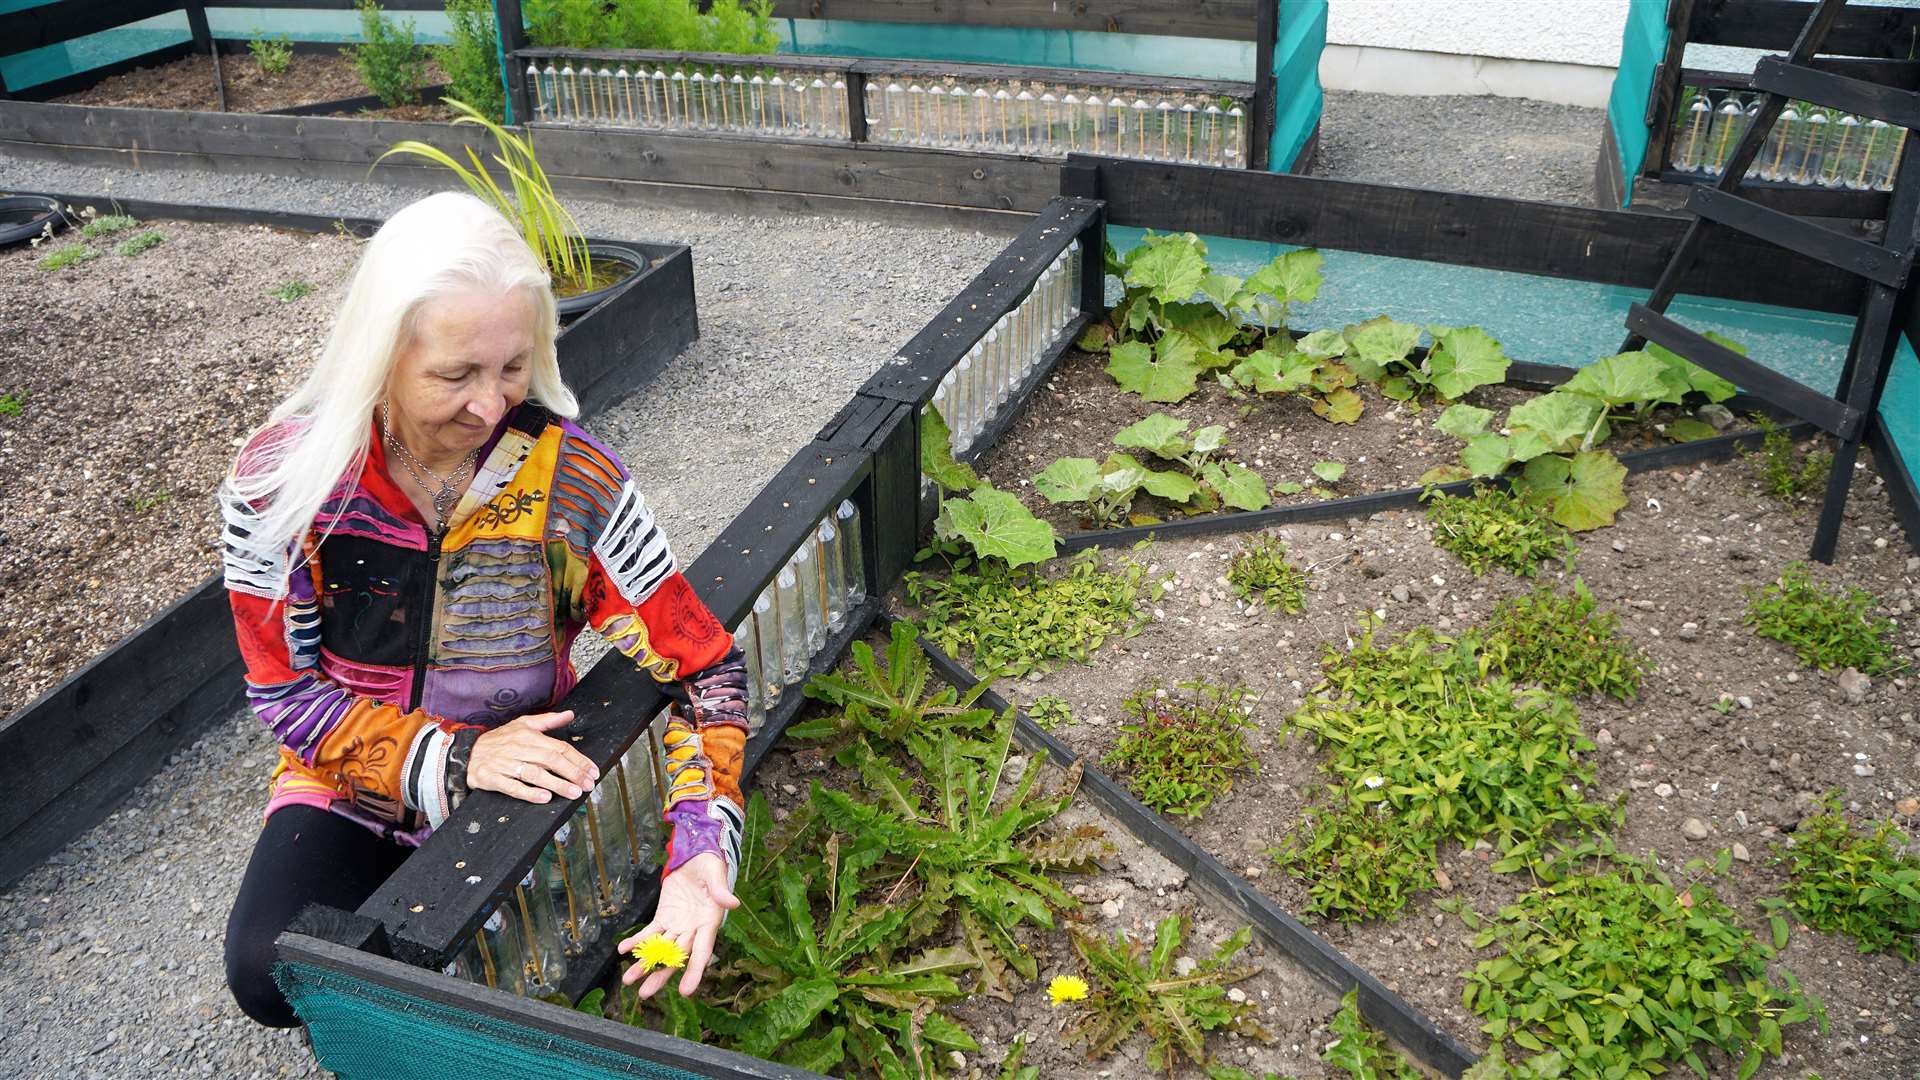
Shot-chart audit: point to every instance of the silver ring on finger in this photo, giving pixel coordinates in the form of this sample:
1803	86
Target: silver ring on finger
520	771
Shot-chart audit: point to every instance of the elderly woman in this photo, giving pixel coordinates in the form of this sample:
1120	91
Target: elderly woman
412	542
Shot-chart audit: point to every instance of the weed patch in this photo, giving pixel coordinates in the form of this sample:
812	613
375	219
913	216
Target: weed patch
1565	643
1851	882
107	226
1137	988
1186	745
1497	528
1260	572
1785	472
139	243
288	292
1827	628
1013	621
67	255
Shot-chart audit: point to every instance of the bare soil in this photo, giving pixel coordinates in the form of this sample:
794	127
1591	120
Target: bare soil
1689	546
310	78
140	378
1135	888
1392	443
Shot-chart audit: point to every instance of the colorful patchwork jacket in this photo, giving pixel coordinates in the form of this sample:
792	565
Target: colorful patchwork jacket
393	649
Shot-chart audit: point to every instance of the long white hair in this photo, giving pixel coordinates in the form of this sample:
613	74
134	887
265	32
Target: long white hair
442	244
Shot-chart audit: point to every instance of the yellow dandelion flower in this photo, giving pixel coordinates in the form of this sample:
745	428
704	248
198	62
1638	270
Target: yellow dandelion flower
1066	988
659	951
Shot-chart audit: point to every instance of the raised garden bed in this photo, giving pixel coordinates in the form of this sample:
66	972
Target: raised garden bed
109	677
311	79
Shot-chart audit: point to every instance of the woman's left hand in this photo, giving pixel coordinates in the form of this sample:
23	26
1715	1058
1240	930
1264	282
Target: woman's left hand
694	900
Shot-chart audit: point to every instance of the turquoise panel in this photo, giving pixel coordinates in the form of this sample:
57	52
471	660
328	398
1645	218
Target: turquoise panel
1199	58
1642	44
1301	38
1900	405
429	27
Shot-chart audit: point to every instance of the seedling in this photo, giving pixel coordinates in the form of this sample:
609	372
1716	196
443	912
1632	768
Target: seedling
994	525
143	503
1496	528
1202	483
1050	711
13	402
67	255
273	55
1851	878
1330	471
139	243
1563	642
1784	471
1359	1051
1827	628
1136	988
106	226
1186	746
289	291
1259	571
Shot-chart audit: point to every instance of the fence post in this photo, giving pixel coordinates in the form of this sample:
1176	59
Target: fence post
512	34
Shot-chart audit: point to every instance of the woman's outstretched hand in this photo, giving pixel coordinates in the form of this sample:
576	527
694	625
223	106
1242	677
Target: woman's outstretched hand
520	759
693	901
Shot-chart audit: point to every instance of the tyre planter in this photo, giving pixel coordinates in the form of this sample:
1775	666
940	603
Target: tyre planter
23	217
572	307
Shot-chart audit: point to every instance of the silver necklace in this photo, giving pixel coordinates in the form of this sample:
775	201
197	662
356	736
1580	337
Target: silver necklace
445	493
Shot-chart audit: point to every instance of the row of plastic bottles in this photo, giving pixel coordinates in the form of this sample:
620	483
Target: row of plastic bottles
750	100
806	603
1809	144
992	371
1012	116
581	882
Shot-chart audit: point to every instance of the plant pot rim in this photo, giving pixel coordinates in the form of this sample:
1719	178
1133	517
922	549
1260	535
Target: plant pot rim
581	303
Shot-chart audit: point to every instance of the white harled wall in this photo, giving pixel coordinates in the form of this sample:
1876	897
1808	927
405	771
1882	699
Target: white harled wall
1562	50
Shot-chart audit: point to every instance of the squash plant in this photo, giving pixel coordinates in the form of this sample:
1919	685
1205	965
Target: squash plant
1201	484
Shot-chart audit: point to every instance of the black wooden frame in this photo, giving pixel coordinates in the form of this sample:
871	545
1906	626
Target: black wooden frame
73	754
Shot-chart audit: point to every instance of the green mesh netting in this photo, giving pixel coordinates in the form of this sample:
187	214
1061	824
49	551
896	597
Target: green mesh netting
363	1031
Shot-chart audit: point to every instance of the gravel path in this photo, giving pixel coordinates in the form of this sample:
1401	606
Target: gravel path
794	314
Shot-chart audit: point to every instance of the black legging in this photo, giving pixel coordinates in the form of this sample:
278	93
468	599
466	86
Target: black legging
303	856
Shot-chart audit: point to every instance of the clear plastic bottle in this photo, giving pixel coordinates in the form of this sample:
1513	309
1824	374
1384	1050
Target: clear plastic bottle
793	626
833	570
847	522
1777	153
1049	138
961	422
805	564
542	93
939	126
612	850
495	952
1729	124
766	634
570	881
748	643
1813	146
639	781
1843	152
1212	119
1882	155
543	949
1689	151
609	104
1073	125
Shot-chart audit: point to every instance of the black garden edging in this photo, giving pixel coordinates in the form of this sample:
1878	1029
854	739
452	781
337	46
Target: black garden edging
428	95
68	758
1383	1008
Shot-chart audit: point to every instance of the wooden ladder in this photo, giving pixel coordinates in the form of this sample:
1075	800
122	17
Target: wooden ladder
1885	268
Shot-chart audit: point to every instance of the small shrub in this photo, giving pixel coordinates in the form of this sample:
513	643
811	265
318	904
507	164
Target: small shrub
390	63
139	243
1260	571
288	292
1498	528
1135	988
472	59
1615	972
1013	621
1855	883
727	26
1827	629
107	226
1050	711
274	55
1784	471
1359	1051
13	402
1564	643
67	255
1187	747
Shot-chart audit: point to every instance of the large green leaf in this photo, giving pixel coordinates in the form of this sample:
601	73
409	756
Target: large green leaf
1068	480
1487	455
1171	270
1628	378
1239	486
936	454
819	1055
1687	429
1692	375
785	1015
997	526
1378	343
1274	373
1464	421
1292	278
1122	474
1164	379
1580	491
1209	438
1209	329
1463	358
1162	435
1322	344
1342	406
1551	423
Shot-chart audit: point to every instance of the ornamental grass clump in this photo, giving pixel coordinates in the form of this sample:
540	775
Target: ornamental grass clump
1859	883
1828	628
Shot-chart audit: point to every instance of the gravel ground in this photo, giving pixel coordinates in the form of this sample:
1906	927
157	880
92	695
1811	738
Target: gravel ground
1485	145
794	314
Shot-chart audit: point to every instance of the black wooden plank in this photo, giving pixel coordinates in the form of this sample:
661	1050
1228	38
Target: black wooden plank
1546	239
1901	108
1794	199
1385	1009
50	24
302	138
916	370
1900	74
1861	30
433	992
865	170
1665	94
351	105
1796	234
1230	19
1761	381
648	322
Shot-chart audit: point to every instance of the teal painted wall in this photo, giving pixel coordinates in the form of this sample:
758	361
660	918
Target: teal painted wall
1642	44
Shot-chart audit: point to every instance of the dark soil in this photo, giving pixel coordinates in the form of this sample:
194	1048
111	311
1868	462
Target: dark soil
1677	566
141	376
1280	437
187	83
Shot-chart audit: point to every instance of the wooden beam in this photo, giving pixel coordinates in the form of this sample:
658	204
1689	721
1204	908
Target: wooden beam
1550	240
1750	375
1901	108
1860	257
1886	32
